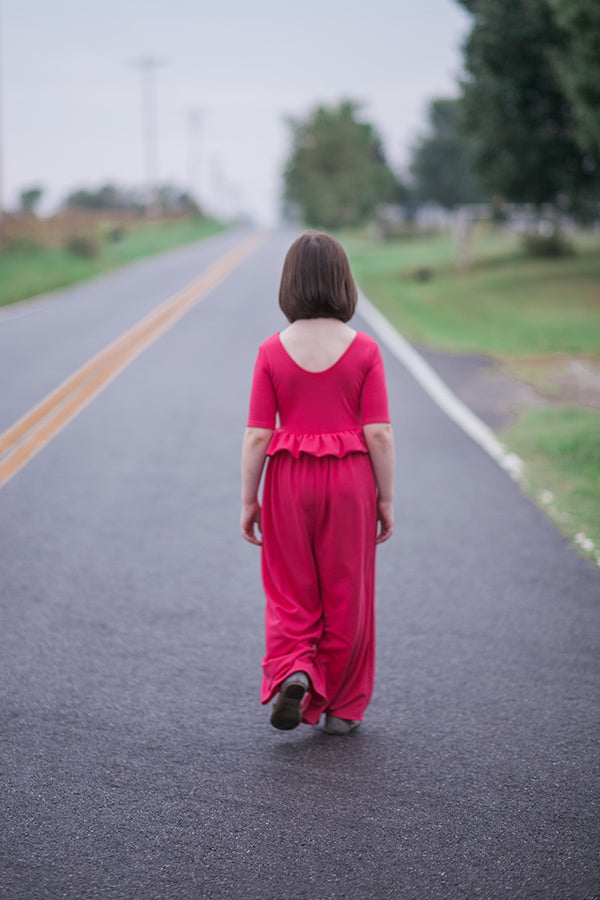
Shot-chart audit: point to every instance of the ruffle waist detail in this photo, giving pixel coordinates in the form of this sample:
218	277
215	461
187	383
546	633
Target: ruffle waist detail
325	443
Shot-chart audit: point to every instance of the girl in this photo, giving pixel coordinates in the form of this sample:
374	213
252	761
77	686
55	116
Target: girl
327	497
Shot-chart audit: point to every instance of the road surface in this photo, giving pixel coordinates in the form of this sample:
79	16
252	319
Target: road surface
136	759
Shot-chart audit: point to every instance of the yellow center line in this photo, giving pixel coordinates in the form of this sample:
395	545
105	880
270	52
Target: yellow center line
31	433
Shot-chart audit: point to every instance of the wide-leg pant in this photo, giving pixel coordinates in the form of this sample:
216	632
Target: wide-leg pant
318	567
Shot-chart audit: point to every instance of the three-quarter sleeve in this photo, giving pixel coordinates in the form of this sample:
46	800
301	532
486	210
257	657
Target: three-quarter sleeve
374	399
263	401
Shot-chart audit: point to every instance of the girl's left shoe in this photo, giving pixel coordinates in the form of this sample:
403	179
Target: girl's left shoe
287	710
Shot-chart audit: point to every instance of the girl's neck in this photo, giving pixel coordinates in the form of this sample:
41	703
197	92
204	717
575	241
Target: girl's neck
317	324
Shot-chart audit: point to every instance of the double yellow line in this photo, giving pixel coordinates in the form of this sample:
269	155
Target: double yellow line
30	434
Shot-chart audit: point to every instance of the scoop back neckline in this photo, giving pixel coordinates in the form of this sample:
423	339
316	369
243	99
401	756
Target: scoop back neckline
318	371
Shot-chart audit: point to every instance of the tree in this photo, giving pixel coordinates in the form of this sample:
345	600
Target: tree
29	199
441	161
172	199
336	173
577	65
107	197
515	106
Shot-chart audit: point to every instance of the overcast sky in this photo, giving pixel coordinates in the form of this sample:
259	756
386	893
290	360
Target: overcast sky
71	110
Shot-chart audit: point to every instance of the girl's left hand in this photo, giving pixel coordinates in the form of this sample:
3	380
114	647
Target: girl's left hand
250	517
385	521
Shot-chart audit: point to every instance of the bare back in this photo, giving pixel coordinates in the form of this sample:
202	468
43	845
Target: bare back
317	344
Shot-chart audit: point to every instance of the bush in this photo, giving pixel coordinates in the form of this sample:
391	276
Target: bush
422	273
116	234
547	245
21	244
86	245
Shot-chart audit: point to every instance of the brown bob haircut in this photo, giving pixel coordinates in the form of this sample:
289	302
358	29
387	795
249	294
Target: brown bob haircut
316	281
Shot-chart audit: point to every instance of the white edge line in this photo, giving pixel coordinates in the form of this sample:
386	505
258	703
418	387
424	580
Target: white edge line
454	408
439	391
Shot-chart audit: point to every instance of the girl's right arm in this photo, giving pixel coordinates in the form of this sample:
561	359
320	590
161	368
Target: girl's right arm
380	441
254	454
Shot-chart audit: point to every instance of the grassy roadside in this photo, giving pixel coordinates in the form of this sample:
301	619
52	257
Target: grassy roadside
534	316
26	271
504	304
561	446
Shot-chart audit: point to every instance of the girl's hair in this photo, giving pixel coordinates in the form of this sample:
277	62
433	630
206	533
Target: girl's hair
316	280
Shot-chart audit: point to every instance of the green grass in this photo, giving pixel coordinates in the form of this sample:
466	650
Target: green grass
504	304
28	271
532	314
562	448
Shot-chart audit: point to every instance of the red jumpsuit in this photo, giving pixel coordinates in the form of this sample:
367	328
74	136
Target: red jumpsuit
319	523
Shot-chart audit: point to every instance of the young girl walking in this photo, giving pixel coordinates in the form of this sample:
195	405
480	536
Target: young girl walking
327	496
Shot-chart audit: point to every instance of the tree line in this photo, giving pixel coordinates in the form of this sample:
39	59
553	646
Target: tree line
525	127
170	199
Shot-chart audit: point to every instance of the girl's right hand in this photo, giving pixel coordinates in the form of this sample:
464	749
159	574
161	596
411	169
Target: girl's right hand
251	517
385	520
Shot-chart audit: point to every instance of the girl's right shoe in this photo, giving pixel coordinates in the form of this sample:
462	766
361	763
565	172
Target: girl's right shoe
287	710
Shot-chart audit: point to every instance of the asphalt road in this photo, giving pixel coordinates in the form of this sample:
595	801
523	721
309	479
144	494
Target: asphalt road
136	760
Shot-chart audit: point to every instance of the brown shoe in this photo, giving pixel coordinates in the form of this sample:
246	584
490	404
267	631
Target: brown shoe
287	710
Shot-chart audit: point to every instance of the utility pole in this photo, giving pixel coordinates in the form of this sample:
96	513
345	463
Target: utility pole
194	155
148	66
1	132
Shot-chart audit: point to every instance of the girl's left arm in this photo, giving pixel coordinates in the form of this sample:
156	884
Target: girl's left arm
254	454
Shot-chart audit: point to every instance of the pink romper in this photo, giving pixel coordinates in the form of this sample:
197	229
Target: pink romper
319	523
